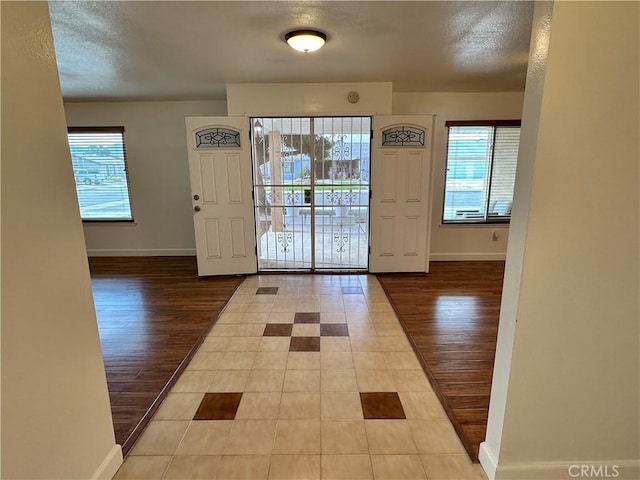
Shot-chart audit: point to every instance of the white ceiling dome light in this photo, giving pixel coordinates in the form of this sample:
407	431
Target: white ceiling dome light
305	40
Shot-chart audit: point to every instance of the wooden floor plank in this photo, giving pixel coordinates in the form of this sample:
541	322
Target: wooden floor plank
152	314
451	318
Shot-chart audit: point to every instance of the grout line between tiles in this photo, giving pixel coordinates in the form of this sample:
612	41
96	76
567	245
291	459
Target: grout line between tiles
267	308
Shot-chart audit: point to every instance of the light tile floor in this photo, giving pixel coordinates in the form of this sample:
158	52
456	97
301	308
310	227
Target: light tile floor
277	395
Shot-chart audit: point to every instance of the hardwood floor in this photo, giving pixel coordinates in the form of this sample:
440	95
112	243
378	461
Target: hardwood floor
451	317
152	314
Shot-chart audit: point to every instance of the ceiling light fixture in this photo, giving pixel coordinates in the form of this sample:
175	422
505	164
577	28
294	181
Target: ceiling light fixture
305	40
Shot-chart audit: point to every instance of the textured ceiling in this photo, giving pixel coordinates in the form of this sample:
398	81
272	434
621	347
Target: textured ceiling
189	50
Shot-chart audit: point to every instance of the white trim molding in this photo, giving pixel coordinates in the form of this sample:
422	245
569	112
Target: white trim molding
460	257
582	469
488	461
109	465
142	252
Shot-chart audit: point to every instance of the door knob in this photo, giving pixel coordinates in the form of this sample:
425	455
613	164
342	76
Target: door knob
197	208
196	197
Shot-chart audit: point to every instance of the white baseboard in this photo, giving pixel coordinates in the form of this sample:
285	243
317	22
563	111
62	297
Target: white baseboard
459	257
141	252
610	469
488	461
109	465
177	252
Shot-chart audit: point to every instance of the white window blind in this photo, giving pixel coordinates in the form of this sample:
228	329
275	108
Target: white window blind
481	167
100	170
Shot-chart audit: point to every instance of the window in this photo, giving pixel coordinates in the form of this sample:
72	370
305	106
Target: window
100	170
481	169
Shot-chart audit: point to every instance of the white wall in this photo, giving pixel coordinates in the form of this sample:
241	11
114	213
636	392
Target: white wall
308	98
459	242
56	419
572	393
156	152
155	141
520	216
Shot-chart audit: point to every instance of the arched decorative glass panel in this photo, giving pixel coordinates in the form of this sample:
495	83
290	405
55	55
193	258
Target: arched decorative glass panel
404	136
217	138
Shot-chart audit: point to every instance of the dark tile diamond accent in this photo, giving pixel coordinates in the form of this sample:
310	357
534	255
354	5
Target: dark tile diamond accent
304	344
334	330
307	317
277	330
352	291
381	405
218	406
267	291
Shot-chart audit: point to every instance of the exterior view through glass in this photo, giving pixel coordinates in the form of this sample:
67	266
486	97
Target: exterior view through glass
100	172
311	191
481	170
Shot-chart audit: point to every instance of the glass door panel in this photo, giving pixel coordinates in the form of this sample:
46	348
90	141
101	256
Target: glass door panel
311	192
341	185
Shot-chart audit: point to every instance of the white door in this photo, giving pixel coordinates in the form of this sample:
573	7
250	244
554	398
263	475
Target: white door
220	172
400	178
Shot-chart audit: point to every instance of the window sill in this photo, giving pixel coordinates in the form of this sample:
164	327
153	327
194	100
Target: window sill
110	223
